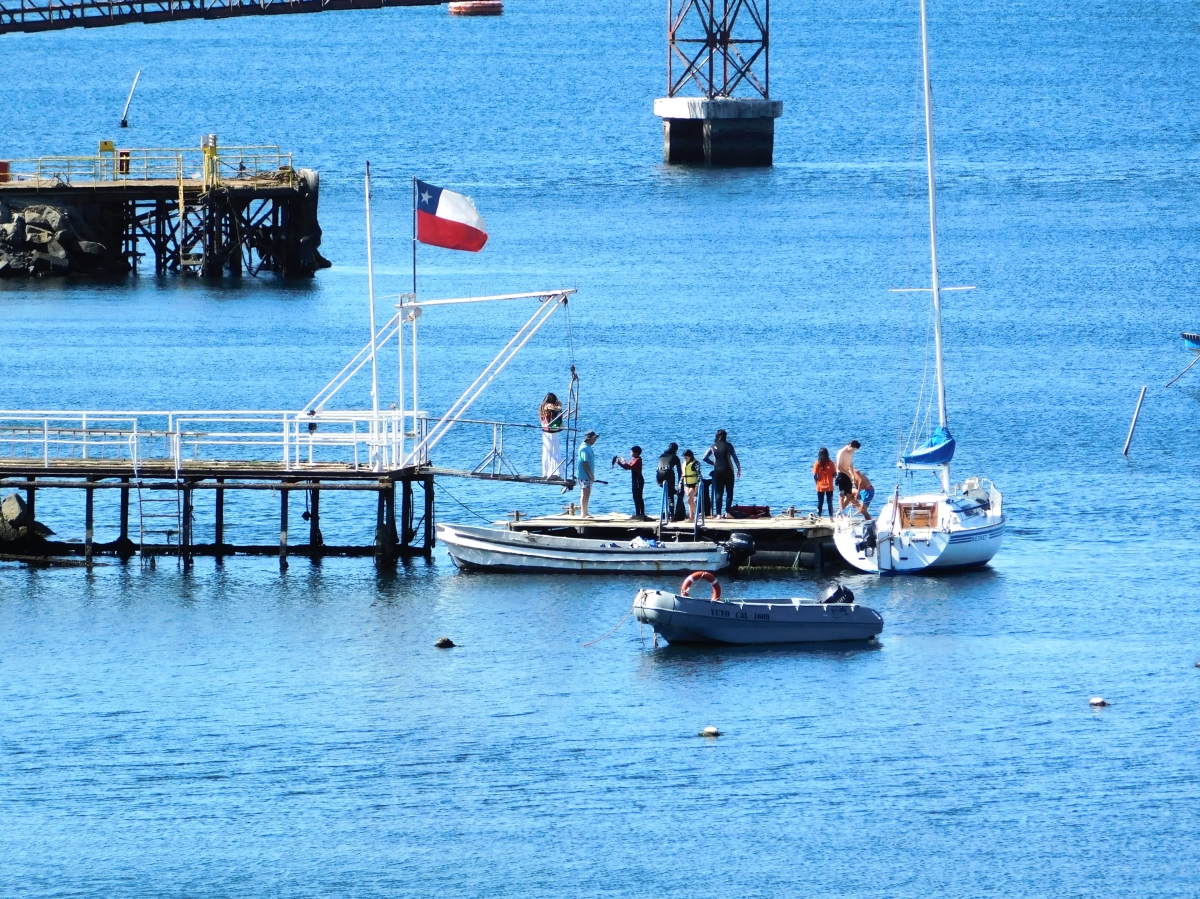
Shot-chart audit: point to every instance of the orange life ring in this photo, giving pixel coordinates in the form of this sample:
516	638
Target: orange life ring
701	576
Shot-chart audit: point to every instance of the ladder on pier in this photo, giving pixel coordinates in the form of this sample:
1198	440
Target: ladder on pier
160	514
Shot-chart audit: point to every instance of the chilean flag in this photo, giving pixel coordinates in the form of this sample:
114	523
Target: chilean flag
450	220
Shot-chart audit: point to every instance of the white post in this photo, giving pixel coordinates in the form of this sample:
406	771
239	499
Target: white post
371	296
416	313
400	376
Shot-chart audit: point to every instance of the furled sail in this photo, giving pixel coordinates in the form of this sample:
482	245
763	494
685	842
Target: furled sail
937	450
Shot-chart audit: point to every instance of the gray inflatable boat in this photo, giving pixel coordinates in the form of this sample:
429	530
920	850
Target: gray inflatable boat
680	618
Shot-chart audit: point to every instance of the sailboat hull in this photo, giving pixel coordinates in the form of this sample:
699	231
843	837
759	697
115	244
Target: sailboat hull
961	532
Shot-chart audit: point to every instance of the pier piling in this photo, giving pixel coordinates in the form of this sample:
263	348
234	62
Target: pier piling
88	521
219	521
283	529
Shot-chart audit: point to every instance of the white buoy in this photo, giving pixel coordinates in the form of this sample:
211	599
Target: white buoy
710	731
1098	702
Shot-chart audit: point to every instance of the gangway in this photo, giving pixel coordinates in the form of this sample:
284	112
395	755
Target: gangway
56	15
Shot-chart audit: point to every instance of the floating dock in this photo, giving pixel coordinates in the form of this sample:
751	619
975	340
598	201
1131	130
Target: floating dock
206	211
782	541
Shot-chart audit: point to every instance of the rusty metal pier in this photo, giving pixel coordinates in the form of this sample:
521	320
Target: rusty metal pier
208	211
55	15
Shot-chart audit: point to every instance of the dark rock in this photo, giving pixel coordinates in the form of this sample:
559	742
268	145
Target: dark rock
46	217
444	643
91	248
5	213
58	256
14	511
37	236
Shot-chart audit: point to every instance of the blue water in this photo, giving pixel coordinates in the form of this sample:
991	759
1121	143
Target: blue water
235	732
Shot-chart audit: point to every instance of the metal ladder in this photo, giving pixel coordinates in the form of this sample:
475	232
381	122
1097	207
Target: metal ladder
159	515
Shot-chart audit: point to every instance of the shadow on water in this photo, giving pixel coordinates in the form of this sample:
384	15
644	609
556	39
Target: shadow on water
695	656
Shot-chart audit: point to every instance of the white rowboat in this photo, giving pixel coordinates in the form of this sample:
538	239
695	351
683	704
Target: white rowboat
496	549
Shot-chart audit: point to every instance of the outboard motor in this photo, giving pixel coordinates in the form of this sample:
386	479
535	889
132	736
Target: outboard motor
836	593
741	547
868	541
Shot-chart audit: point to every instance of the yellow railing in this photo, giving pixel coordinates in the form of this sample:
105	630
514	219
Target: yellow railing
140	165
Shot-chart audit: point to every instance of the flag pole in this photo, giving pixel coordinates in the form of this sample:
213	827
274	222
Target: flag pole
371	296
414	224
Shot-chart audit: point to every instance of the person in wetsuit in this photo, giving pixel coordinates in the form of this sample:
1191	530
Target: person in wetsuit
633	465
668	465
723	458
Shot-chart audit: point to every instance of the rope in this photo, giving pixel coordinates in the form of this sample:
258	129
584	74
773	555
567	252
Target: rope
461	503
613	631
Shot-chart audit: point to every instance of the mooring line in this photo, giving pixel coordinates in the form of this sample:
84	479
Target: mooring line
461	503
614	630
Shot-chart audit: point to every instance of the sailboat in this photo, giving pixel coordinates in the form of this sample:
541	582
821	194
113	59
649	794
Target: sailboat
958	526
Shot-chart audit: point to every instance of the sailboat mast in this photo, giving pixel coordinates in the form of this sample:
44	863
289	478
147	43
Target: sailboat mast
933	248
933	252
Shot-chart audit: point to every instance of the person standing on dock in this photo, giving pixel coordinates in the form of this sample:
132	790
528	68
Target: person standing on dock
691	481
668	465
823	472
723	458
587	471
633	465
845	473
551	416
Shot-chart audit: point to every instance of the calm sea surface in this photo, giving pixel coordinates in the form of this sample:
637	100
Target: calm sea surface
235	732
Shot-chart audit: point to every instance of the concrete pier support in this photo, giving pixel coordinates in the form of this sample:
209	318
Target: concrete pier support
719	132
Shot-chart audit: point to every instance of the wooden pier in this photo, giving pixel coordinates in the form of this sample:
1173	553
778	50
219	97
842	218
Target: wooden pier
782	541
164	473
206	211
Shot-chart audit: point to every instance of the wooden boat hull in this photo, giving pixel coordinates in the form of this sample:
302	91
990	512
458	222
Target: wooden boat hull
492	549
686	619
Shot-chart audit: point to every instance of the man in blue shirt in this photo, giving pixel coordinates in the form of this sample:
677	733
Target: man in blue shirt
587	471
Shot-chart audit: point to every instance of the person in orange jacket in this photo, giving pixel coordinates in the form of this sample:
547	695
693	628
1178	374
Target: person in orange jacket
823	472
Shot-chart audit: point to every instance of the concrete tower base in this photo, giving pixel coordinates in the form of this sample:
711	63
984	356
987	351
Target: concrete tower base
721	132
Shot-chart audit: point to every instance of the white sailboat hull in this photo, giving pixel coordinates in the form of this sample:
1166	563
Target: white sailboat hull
968	533
493	549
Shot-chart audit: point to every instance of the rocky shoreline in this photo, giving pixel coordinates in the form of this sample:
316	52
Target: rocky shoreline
39	240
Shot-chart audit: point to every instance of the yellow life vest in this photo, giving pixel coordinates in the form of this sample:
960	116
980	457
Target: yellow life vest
691	473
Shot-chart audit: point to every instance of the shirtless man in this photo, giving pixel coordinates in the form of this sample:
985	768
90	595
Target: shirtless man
845	473
864	492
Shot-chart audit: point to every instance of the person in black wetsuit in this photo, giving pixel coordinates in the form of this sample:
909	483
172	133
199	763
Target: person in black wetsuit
634	466
668	466
723	458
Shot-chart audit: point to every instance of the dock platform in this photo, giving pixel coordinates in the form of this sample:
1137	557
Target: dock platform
782	541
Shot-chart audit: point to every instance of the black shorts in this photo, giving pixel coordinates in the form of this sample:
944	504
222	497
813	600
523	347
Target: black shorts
844	484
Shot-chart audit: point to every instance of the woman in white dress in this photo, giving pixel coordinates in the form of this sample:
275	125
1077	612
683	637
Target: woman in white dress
551	414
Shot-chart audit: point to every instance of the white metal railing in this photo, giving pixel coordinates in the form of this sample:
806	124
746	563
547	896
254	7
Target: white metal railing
296	440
